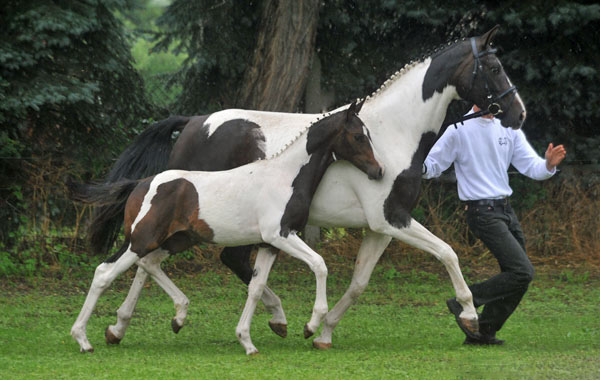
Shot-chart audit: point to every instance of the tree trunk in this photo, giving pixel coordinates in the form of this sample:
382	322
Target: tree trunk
277	76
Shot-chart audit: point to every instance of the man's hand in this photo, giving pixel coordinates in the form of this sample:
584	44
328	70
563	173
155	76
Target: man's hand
554	156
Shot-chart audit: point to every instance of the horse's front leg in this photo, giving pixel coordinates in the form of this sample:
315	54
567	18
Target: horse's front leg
104	275
262	266
295	247
370	251
419	237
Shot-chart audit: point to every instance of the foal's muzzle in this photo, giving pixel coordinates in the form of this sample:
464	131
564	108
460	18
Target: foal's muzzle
376	174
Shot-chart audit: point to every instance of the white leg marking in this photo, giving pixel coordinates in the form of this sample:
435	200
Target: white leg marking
103	277
264	260
370	251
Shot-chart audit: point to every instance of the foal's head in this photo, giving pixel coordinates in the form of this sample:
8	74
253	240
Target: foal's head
349	140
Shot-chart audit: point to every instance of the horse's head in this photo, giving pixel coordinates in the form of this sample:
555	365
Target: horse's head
354	144
480	79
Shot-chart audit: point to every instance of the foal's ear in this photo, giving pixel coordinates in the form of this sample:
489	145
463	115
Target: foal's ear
489	36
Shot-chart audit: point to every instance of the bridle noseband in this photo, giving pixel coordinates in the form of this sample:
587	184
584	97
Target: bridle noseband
493	107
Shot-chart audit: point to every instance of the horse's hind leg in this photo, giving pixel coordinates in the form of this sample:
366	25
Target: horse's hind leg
103	277
238	260
264	261
114	333
151	264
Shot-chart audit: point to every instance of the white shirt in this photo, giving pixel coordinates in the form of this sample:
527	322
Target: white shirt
482	150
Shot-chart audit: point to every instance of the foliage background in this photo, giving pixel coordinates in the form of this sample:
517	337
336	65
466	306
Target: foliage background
72	95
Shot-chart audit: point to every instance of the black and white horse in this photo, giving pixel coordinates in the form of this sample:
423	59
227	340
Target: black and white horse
404	116
262	202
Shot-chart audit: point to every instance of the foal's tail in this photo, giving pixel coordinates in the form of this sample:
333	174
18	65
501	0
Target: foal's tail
147	155
101	194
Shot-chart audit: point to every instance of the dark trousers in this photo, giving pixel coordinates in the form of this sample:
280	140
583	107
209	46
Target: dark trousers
499	229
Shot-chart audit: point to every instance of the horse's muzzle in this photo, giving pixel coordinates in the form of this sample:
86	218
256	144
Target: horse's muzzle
376	174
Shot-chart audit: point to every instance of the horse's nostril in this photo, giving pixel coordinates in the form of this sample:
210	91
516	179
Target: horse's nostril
522	116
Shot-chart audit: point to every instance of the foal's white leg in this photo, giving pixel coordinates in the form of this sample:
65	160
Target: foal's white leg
370	251
295	247
151	264
114	333
103	277
262	266
278	322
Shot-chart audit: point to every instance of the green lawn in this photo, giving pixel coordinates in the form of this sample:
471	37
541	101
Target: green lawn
399	329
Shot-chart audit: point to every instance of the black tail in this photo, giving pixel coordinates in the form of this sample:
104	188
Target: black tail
102	194
147	155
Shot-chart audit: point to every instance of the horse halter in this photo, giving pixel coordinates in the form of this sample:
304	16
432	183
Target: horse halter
493	107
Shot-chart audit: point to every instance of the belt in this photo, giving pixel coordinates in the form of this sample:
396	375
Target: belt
487	202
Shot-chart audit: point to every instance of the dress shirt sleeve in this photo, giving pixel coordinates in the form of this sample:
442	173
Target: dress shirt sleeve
527	161
442	155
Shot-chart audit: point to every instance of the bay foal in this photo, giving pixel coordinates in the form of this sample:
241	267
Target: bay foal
263	202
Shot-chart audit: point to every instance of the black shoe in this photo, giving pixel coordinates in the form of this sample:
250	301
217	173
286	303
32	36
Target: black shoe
484	341
469	327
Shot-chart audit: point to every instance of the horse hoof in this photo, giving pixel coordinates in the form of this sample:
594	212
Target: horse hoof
279	329
307	332
110	337
321	346
470	327
86	350
253	353
175	326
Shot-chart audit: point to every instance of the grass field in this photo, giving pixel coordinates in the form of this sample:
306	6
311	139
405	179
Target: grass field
399	329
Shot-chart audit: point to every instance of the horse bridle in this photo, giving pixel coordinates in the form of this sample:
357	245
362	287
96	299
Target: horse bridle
494	107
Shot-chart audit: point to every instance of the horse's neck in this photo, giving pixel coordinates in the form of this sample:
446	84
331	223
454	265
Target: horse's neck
307	169
398	117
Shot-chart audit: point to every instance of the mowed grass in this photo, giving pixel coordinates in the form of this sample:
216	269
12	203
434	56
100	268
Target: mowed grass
400	328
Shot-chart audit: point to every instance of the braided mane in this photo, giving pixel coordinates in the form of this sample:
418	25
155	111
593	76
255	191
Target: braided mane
414	62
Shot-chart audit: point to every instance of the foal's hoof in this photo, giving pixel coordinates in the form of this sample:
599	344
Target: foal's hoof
86	350
175	326
307	332
321	346
110	337
279	329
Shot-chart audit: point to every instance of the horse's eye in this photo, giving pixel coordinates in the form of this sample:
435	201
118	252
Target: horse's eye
360	138
496	70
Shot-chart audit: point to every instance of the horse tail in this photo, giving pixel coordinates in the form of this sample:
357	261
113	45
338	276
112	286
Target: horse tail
147	155
101	193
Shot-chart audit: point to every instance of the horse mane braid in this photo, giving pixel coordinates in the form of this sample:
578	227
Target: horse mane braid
414	62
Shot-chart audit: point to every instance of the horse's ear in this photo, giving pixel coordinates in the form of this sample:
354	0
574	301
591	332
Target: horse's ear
489	36
351	111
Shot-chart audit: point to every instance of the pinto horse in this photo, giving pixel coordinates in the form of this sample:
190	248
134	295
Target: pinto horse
404	116
261	202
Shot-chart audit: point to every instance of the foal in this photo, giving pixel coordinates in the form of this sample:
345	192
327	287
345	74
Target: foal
263	202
